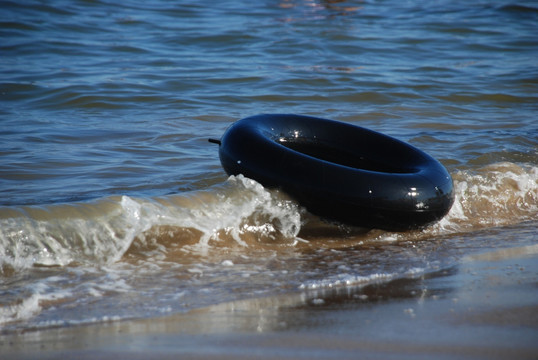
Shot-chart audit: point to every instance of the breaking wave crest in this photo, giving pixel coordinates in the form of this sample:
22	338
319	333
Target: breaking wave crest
102	231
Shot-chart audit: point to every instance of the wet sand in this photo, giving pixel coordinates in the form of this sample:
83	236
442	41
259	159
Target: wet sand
484	308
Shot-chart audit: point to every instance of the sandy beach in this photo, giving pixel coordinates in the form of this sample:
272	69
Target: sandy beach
484	308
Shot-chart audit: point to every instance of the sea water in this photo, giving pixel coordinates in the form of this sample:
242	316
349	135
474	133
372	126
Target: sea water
114	205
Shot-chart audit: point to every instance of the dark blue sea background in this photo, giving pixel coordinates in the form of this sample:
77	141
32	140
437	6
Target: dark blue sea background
113	204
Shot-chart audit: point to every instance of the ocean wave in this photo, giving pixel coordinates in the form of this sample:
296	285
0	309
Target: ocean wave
237	213
102	231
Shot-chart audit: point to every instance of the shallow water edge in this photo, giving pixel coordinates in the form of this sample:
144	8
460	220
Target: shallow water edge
484	297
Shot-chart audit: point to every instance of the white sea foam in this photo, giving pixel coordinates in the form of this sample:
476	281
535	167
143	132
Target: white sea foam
27	300
38	292
495	195
27	308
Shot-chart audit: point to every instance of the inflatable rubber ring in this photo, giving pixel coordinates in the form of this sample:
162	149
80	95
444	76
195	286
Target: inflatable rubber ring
340	171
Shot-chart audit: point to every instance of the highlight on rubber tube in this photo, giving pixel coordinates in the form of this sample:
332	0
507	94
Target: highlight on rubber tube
339	171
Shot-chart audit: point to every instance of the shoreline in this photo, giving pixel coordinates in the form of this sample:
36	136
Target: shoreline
483	308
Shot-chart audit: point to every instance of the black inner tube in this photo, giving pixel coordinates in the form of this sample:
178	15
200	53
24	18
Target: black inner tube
340	171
